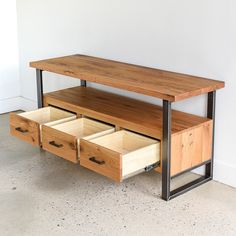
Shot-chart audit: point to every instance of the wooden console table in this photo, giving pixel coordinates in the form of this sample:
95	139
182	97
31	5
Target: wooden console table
187	141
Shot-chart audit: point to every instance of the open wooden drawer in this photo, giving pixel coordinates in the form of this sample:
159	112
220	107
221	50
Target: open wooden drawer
64	139
120	154
27	125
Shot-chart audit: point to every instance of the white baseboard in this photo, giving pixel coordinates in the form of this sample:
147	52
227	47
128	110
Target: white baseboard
10	104
225	173
27	104
17	103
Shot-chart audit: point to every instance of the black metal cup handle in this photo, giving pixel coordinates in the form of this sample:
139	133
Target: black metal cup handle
93	159
53	143
19	129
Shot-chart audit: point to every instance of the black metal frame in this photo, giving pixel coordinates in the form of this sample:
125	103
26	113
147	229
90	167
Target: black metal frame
167	193
83	83
39	83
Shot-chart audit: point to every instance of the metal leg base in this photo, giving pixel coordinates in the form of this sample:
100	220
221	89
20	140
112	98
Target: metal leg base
189	186
167	194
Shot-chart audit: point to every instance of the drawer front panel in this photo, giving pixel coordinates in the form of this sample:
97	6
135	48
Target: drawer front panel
101	160
25	129
60	143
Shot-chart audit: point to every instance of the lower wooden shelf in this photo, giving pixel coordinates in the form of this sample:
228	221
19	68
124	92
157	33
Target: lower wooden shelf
191	134
122	111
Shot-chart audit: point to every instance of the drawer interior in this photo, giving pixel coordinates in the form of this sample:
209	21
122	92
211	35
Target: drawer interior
124	141
27	126
84	128
64	139
48	115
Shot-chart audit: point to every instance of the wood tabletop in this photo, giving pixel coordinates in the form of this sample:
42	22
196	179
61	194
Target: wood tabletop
149	81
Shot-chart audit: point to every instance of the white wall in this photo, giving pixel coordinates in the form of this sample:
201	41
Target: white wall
9	70
194	37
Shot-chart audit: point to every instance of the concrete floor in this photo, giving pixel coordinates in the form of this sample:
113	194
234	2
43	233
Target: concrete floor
42	194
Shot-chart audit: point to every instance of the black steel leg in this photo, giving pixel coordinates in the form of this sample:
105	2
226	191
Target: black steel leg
211	103
39	80
166	150
83	83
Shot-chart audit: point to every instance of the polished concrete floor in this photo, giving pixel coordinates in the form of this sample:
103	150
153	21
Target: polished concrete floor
42	194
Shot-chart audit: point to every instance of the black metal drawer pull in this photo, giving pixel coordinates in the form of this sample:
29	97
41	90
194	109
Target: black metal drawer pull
93	159
19	129
53	143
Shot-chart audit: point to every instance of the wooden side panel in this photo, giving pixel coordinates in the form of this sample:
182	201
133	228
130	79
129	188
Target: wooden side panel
110	161
207	141
191	148
61	144
25	129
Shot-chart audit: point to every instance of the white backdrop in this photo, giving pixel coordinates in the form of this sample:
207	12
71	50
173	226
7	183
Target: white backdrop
194	37
9	70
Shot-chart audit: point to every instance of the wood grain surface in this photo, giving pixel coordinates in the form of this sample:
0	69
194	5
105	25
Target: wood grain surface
149	81
121	111
25	129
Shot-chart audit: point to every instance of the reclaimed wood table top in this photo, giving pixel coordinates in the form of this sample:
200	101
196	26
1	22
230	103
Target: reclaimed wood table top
157	83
